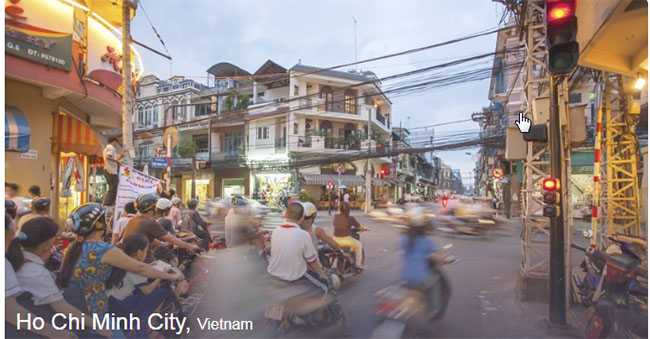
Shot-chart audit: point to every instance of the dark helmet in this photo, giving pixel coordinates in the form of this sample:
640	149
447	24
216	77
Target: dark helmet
235	198
40	204
192	203
83	219
10	208
146	202
239	202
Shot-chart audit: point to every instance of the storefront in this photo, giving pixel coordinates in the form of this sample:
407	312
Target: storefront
272	187
203	186
58	96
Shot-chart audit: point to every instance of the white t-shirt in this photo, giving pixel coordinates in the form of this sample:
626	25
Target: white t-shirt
12	287
346	197
110	166
37	280
120	224
291	250
129	283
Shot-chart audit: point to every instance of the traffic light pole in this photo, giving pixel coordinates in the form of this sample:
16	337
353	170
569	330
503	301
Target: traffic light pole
557	292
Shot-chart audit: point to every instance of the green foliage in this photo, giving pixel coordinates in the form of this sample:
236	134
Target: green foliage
243	100
187	149
228	103
305	197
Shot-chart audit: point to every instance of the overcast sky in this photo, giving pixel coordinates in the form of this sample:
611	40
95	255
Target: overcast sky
200	33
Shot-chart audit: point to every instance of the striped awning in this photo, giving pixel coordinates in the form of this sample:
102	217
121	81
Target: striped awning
323	179
16	130
73	135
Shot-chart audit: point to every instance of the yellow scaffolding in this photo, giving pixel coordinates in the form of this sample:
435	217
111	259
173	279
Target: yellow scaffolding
621	158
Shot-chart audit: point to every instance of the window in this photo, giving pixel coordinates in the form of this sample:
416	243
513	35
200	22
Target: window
350	102
201	142
575	98
158	90
295	90
201	110
260	94
186	85
166	89
147	116
326	93
233	143
140	117
262	133
155	115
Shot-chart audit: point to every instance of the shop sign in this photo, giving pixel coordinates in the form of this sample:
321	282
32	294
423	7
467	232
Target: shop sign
132	184
32	154
42	45
158	162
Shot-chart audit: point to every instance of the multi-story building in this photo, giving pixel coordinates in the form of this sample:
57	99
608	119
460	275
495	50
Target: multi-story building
305	113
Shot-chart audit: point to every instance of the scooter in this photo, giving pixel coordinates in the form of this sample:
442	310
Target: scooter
405	310
295	307
342	262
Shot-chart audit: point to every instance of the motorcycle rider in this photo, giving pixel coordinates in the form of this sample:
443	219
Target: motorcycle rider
317	233
419	252
40	208
193	222
343	224
240	225
145	224
292	250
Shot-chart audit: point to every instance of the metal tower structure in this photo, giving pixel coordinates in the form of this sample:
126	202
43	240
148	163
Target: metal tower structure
621	183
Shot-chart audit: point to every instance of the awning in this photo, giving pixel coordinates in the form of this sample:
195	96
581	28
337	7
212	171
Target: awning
16	130
72	135
323	179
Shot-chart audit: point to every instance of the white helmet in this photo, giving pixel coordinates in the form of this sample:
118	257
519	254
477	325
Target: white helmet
163	204
176	200
416	217
309	209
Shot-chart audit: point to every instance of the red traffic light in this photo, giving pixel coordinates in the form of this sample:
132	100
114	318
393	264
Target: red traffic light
383	171
559	10
551	184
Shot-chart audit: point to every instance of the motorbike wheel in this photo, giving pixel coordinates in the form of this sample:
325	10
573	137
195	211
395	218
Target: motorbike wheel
389	328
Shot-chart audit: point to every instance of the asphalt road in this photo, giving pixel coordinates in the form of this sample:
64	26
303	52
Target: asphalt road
483	302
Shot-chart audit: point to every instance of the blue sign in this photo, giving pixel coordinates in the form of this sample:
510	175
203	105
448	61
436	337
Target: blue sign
158	162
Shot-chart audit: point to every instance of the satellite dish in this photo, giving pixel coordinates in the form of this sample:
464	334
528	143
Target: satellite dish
173	133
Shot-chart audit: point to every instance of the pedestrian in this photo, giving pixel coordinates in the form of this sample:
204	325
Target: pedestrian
120	224
11	193
176	215
34	191
346	197
111	167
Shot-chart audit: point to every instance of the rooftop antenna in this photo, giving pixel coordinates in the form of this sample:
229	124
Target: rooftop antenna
356	59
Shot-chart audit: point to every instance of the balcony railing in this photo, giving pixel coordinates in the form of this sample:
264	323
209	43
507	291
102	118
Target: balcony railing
380	118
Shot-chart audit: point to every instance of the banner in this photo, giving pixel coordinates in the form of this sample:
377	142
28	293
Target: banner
132	184
66	178
79	175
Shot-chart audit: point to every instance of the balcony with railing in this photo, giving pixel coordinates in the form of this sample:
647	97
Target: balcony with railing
341	111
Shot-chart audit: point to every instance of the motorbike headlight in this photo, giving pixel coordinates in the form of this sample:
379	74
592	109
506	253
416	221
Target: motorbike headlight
486	221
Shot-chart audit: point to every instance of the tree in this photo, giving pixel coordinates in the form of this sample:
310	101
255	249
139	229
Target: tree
187	149
228	103
243	100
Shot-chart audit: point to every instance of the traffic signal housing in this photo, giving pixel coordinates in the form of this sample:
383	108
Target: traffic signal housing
561	32
382	172
203	165
551	197
538	133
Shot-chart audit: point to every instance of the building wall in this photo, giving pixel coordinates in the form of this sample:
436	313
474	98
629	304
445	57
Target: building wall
39	113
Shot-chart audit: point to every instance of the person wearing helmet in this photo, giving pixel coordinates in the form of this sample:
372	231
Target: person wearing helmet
163	208
241	225
144	224
88	262
11	209
416	268
40	208
175	215
193	222
343	224
317	234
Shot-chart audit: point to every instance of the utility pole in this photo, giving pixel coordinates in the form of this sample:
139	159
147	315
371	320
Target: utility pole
127	97
557	287
367	206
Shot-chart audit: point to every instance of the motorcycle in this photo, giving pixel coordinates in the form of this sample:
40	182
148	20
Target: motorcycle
295	307
341	262
623	312
405	310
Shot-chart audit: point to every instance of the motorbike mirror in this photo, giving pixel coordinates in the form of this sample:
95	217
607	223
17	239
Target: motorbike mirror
447	247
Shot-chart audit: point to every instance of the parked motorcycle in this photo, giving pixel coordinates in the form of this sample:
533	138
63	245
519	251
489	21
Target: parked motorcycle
405	310
623	312
296	307
341	262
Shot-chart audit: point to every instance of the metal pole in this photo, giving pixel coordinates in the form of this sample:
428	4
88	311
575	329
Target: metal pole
338	198
368	170
169	161
127	97
557	295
